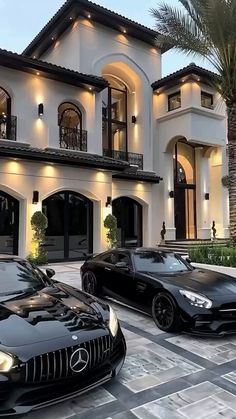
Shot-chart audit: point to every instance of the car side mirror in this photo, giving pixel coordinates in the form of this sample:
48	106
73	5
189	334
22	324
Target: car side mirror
123	266
50	272
188	260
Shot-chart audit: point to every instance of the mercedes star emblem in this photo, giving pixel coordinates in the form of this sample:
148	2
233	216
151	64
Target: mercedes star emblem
74	337
79	360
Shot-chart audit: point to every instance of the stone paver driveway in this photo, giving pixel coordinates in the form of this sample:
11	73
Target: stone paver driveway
165	376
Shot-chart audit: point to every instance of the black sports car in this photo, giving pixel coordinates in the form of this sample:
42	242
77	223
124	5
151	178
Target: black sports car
55	341
161	283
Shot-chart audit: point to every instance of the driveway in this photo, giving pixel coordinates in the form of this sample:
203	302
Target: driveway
165	376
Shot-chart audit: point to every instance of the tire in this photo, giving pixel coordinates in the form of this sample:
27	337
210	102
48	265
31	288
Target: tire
90	284
165	312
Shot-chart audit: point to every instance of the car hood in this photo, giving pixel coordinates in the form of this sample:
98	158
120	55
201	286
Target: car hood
47	314
202	281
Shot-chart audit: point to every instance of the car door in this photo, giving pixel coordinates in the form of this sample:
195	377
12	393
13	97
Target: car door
123	278
106	266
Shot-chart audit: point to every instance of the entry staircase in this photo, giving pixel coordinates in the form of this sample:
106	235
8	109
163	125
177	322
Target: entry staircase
182	247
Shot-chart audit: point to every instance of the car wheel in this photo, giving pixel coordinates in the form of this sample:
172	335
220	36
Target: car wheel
165	312
90	283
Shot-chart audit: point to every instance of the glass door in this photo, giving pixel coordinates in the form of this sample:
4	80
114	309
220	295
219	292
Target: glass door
9	224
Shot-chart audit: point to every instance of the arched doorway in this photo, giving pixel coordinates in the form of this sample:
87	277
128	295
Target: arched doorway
5	115
114	118
70	121
129	214
9	224
70	226
185	190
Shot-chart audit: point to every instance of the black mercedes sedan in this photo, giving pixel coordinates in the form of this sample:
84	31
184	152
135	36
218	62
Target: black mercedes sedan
178	296
56	342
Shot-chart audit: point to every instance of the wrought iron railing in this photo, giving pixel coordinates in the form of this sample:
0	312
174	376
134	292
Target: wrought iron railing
8	127
73	138
134	159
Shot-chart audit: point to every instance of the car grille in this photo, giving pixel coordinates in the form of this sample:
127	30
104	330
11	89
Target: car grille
56	365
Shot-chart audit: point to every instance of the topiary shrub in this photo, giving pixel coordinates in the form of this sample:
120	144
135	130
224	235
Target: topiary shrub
110	223
39	223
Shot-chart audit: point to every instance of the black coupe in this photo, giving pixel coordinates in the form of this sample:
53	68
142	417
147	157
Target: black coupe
56	342
161	283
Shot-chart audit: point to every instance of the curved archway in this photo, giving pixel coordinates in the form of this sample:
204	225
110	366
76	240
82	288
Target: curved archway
5	114
9	224
185	190
70	226
70	122
129	215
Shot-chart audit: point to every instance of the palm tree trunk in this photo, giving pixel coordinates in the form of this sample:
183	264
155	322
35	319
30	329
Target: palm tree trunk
232	169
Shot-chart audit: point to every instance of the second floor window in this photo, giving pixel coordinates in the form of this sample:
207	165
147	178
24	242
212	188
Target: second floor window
114	116
71	133
174	101
207	100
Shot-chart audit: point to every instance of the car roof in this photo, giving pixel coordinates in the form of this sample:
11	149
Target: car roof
140	249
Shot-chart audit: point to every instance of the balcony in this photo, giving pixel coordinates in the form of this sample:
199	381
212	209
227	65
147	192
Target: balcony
73	139
134	159
8	127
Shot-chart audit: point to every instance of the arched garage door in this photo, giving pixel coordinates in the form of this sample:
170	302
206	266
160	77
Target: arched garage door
70	226
9	224
129	214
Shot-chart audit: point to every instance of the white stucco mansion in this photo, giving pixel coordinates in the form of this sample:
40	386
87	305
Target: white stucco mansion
89	126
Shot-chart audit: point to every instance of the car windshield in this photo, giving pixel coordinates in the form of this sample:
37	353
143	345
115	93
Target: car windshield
19	277
156	262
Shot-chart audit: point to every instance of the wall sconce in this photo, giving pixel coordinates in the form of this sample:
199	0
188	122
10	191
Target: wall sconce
171	194
35	199
40	109
109	201
134	119
207	196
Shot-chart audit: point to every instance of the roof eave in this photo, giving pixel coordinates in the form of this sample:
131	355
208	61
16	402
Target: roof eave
72	8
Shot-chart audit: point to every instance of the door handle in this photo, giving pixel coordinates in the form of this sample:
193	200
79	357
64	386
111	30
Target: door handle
107	269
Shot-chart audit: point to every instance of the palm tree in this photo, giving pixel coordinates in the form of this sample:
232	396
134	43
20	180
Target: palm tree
207	28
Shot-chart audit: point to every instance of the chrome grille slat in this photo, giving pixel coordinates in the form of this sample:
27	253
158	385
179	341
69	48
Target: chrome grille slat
56	365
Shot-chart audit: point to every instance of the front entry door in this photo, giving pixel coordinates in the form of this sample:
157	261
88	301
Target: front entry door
185	213
70	226
9	224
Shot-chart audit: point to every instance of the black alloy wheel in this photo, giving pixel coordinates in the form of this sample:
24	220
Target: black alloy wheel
165	312
90	284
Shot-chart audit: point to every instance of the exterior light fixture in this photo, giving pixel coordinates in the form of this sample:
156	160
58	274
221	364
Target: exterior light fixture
71	18
109	201
89	16
40	109
90	88
35	198
38	73
53	38
171	194
124	31
134	119
207	196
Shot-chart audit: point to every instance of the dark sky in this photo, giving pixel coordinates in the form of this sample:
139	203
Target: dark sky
21	20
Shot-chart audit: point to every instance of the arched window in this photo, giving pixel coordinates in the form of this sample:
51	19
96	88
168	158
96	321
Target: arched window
72	135
114	112
7	123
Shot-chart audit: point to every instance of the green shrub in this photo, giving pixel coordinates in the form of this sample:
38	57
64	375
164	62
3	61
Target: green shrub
214	255
110	223
39	223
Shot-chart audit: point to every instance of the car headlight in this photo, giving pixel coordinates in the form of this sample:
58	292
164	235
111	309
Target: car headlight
113	322
196	300
6	362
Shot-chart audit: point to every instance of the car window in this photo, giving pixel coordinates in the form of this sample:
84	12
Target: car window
155	262
109	258
122	257
19	276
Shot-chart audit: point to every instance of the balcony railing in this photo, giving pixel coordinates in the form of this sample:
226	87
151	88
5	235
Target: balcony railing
134	159
8	127
73	139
